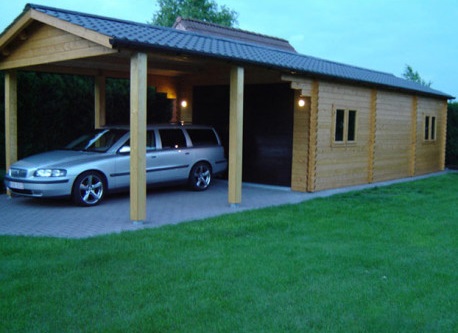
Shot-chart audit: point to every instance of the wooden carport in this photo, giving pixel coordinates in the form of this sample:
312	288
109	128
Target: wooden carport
41	40
390	114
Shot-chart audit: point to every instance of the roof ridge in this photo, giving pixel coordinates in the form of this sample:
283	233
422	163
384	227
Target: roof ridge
230	28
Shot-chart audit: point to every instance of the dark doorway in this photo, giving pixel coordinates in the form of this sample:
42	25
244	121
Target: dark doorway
267	123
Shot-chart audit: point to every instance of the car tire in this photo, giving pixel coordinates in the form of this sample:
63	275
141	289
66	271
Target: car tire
200	176
89	189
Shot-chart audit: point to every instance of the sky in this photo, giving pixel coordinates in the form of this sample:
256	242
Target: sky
382	35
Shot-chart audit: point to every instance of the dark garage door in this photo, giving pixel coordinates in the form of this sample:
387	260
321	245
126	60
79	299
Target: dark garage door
267	124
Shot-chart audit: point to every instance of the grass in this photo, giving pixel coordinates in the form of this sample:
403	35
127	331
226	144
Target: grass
381	260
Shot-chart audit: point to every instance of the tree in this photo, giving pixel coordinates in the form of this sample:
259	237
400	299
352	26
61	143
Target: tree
411	75
203	10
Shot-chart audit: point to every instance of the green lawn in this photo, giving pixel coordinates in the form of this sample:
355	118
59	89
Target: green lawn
380	260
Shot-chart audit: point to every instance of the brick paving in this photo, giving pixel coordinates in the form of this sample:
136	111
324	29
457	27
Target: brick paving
60	218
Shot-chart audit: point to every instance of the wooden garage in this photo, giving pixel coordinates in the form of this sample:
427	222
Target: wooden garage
327	124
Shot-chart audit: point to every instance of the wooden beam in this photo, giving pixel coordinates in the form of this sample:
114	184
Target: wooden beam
300	142
313	138
10	118
235	135
138	83
100	101
372	132
71	28
413	136
47	44
15	29
443	135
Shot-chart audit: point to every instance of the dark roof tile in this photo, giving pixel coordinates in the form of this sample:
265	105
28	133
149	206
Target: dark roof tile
212	29
133	34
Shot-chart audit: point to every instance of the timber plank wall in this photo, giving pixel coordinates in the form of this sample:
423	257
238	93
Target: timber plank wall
390	142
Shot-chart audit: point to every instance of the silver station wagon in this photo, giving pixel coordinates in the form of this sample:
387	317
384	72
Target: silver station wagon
99	162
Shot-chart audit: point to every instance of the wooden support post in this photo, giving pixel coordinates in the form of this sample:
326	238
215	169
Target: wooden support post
300	142
372	132
236	135
10	118
313	138
100	101
413	136
443	135
138	83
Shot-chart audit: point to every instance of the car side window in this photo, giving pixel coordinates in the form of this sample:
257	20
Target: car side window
202	137
150	141
172	138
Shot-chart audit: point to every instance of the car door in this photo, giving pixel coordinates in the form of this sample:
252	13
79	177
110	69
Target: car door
121	178
170	162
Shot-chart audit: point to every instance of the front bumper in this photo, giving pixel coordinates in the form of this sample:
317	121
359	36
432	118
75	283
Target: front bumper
54	187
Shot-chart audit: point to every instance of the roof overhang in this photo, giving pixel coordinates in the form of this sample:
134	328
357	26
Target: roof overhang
100	36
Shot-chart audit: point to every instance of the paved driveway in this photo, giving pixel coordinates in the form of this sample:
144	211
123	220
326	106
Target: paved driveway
60	218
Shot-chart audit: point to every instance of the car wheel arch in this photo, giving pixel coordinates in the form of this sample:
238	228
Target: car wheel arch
202	184
89	188
101	173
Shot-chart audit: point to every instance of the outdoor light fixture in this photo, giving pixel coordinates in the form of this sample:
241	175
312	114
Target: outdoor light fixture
184	103
301	102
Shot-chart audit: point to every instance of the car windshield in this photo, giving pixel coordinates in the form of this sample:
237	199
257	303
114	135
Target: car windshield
96	141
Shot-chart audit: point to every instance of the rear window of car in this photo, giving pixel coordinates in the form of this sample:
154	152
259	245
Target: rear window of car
172	138
202	137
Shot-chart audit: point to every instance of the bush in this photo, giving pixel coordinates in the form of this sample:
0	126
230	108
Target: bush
452	136
2	186
54	109
2	121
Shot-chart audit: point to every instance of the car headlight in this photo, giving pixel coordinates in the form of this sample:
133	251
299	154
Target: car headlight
50	173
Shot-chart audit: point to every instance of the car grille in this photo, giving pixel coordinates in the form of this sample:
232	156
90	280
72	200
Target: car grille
23	192
18	173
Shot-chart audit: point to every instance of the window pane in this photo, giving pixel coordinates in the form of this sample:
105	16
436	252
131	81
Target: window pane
427	128
433	128
150	140
97	141
172	138
339	125
351	125
202	137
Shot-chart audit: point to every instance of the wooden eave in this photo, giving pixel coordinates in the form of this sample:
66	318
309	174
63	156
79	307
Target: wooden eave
33	15
66	41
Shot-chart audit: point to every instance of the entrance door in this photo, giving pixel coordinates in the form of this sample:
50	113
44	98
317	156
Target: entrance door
267	128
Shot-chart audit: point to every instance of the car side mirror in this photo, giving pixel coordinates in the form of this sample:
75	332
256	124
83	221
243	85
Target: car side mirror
124	150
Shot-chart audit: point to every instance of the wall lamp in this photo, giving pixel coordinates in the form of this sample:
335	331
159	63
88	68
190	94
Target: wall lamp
301	101
184	103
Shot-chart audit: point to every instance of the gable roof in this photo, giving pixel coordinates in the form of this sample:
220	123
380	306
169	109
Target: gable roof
208	28
127	34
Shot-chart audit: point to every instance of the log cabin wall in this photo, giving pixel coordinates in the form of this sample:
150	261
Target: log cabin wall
342	163
429	150
389	139
392	151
